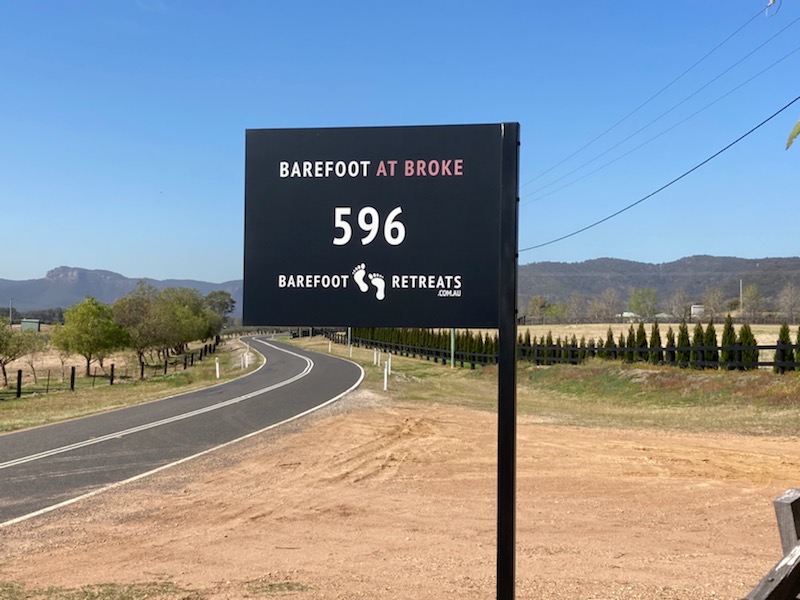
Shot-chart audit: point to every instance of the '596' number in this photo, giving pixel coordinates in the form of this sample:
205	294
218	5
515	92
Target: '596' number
369	221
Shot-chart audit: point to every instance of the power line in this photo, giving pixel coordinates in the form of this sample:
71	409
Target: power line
646	102
655	137
664	114
665	186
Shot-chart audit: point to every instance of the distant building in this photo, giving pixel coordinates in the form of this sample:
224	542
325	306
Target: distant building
697	311
30	325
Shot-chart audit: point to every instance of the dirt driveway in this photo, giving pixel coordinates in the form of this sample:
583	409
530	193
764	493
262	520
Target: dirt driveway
376	500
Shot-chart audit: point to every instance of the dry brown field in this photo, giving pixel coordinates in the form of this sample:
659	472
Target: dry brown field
384	495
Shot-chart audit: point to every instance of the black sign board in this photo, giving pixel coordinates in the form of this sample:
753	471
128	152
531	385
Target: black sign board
379	226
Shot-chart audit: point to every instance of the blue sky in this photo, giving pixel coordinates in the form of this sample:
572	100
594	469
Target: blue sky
122	122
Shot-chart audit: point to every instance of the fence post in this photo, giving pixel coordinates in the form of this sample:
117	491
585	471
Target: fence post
111	379
787	512
19	383
72	379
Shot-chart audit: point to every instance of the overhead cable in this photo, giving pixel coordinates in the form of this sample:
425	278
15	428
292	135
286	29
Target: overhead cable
646	102
663	187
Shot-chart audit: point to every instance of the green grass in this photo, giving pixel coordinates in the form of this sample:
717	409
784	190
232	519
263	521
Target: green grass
108	591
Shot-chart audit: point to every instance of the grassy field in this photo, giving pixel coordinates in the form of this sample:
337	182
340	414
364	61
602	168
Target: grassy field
604	393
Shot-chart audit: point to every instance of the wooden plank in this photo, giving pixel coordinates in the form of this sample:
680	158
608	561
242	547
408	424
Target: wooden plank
787	512
782	582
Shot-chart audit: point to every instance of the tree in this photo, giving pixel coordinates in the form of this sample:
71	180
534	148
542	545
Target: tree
670	353
682	350
11	347
644	302
576	307
90	330
135	312
789	302
557	313
710	342
751	302
641	343
33	344
728	344
679	304
785	352
603	308
537	307
656	352
221	302
698	341
713	301
183	317
749	348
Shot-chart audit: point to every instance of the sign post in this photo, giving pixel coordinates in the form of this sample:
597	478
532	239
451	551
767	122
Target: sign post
392	227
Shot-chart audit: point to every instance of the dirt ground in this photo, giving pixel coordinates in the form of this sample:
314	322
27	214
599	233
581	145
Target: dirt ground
371	499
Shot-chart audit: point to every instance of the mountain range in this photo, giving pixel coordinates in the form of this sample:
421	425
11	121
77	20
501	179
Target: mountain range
693	275
557	281
65	286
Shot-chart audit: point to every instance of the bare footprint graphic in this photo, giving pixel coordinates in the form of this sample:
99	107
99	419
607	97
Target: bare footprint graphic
359	275
380	285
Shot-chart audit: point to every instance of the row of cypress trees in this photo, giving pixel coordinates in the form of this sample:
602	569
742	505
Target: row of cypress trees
700	349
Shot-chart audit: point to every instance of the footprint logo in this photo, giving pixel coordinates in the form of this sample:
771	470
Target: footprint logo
377	280
359	276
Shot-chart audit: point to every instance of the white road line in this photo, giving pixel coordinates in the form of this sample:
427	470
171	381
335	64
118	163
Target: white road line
118	484
119	434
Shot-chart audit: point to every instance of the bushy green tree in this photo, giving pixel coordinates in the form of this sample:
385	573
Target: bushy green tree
90	330
221	303
644	302
749	348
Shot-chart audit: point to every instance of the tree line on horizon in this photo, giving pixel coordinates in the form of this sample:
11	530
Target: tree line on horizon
147	322
644	303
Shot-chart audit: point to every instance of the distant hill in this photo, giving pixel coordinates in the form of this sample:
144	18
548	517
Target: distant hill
65	286
694	274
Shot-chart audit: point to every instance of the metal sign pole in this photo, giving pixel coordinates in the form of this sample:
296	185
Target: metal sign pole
507	370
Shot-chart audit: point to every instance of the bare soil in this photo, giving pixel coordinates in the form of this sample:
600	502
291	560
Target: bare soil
376	499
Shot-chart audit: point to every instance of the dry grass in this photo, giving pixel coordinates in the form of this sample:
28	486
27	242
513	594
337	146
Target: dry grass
94	395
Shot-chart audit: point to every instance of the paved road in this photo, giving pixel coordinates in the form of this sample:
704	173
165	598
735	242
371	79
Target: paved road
45	467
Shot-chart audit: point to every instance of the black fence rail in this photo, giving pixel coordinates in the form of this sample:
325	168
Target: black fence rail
779	357
438	355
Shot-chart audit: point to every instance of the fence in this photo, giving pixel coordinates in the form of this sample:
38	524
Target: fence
735	357
144	371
